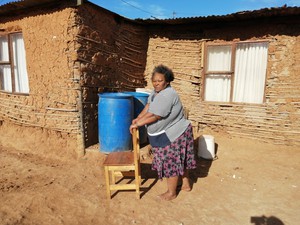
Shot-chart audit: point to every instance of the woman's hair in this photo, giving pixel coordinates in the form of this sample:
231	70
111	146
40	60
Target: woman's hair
168	73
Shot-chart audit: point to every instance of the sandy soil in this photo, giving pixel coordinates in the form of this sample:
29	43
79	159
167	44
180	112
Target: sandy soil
249	183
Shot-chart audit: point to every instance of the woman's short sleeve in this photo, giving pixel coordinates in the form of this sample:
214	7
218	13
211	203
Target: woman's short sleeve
161	105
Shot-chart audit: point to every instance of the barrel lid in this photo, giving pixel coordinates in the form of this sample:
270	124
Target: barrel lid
114	95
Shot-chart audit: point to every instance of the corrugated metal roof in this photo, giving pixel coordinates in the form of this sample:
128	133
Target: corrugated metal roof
244	15
17	7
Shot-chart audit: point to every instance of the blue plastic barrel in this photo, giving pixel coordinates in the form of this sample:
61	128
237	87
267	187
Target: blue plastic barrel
139	102
115	114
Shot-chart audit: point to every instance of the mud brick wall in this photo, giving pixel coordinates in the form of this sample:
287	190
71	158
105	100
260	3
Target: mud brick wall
275	121
73	54
111	58
52	106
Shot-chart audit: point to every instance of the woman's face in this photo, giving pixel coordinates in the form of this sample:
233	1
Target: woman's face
159	82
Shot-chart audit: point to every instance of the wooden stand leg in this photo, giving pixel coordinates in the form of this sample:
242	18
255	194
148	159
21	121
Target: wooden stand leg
107	182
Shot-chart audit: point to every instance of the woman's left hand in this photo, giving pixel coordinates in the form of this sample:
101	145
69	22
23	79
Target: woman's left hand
132	126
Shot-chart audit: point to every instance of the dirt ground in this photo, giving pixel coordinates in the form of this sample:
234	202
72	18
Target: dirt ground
249	183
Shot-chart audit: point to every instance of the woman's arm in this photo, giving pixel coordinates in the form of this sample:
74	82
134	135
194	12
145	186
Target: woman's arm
144	111
147	118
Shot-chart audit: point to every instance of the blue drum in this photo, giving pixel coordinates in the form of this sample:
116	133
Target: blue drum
115	114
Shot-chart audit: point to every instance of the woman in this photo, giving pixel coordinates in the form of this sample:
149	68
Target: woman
169	133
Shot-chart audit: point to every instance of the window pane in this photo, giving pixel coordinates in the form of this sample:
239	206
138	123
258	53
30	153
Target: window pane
4	49
20	70
218	58
250	72
5	78
217	88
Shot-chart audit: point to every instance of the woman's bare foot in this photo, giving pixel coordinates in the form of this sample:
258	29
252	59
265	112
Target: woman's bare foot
167	196
186	188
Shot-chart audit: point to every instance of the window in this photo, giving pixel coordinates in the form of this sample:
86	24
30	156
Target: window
13	72
236	72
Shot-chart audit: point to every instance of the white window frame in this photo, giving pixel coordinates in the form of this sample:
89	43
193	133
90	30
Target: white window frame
225	79
13	68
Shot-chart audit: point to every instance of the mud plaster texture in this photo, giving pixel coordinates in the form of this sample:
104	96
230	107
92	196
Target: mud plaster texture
72	56
75	53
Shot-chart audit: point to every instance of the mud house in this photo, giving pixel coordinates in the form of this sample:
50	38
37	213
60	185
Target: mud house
237	74
70	53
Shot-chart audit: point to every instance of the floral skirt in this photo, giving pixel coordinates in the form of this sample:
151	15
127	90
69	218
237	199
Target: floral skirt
173	159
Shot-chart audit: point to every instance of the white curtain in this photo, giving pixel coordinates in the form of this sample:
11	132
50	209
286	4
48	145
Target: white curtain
250	72
217	86
5	70
21	76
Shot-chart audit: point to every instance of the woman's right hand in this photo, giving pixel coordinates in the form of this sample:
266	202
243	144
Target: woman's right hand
134	121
